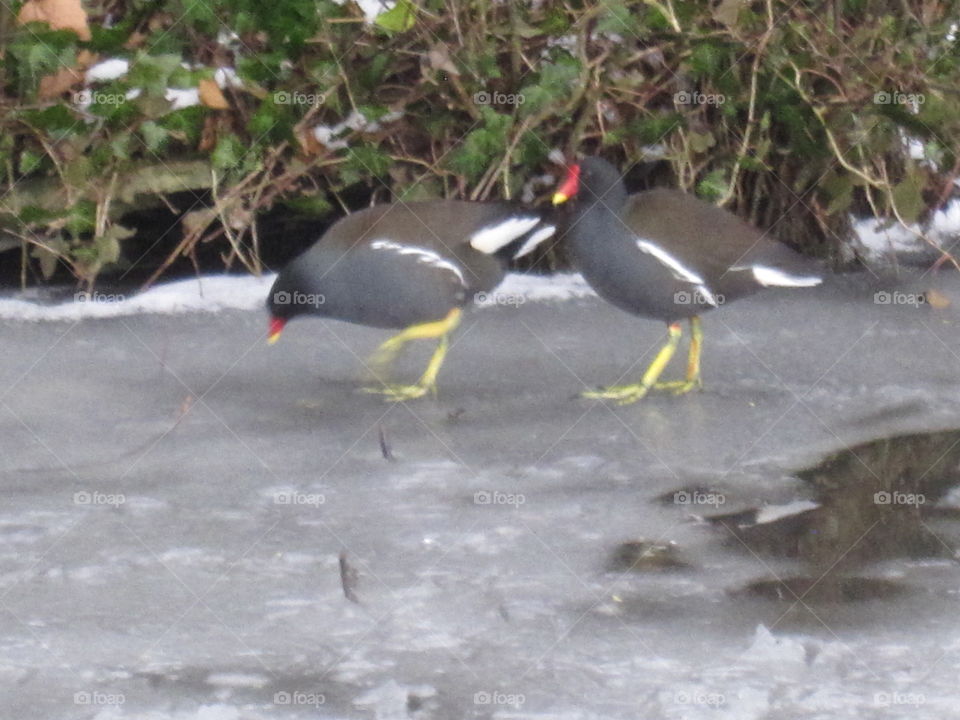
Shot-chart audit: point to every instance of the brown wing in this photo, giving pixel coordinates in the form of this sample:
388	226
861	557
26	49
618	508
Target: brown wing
710	241
702	236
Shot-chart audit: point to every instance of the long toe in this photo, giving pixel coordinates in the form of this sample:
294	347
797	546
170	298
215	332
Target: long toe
623	394
398	393
679	387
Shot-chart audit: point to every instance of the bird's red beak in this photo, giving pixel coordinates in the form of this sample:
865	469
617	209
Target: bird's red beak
570	186
276	327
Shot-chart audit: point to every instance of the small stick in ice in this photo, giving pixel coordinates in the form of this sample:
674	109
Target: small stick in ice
384	445
348	578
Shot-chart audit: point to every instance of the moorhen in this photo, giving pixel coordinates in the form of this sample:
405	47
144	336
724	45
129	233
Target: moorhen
407	265
666	255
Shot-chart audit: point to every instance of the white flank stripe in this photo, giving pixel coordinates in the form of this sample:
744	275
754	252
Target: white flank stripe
768	276
490	239
769	513
535	239
679	270
707	295
427	257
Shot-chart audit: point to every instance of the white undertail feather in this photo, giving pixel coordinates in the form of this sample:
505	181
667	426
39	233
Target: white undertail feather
679	270
535	239
492	238
770	276
423	255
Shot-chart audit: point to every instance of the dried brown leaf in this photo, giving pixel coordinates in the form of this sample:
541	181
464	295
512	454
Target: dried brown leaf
58	14
211	95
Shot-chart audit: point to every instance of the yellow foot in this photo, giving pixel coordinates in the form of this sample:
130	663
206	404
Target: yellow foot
679	387
623	394
398	393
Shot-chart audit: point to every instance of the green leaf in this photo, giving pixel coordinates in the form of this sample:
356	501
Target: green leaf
30	161
908	197
82	218
154	136
838	187
618	20
122	145
49	260
108	244
656	128
701	142
426	189
152	105
35	215
368	161
228	153
482	145
185	124
309	205
552	87
707	60
152	72
78	171
714	185
399	18
727	12
555	22
52	119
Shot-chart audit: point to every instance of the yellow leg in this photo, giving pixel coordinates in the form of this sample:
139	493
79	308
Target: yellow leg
387	352
679	387
625	394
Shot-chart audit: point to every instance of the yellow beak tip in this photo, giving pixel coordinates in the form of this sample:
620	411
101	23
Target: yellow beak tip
272	339
559	198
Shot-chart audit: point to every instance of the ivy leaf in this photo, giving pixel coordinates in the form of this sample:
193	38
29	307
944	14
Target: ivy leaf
228	153
482	145
399	18
152	72
154	136
49	259
108	244
369	160
908	197
701	142
554	85
82	217
714	185
618	20
727	12
30	161
310	205
78	171
707	60
426	189
839	188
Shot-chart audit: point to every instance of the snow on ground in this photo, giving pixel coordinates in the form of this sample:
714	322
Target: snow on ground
214	293
882	241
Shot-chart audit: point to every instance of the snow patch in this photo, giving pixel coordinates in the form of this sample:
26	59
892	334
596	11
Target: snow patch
371	8
535	288
108	70
215	293
881	239
181	98
210	293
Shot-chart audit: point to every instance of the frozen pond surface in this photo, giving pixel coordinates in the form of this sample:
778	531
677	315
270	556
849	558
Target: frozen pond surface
176	496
